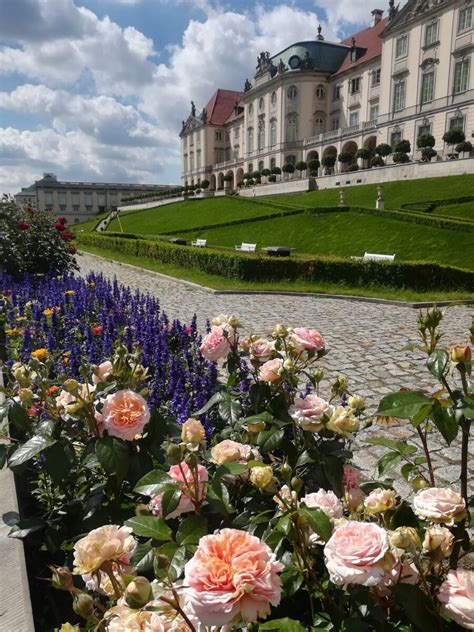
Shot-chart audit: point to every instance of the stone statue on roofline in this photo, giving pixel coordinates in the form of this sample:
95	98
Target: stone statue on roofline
247	85
281	67
263	61
204	116
193	109
307	62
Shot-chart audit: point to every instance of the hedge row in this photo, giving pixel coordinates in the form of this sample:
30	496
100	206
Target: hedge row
430	205
419	276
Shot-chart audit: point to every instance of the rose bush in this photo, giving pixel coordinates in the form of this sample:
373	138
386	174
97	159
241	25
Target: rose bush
262	522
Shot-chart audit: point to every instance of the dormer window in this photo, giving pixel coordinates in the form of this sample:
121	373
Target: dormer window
431	34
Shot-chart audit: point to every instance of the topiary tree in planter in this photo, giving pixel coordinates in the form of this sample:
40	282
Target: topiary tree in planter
400	155
464	148
346	158
288	168
364	154
383	150
255	175
427	153
228	178
328	162
266	173
272	178
205	184
240	184
313	166
276	171
353	167
426	142
454	137
301	166
377	161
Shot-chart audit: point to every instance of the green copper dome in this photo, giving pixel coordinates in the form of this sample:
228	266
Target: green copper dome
317	55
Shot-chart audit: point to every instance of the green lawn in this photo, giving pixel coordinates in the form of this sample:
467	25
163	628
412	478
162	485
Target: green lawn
187	214
221	283
395	193
458	211
351	234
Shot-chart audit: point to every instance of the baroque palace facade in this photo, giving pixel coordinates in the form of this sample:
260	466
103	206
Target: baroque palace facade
408	73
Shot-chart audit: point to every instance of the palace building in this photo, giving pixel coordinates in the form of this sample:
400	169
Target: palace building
410	72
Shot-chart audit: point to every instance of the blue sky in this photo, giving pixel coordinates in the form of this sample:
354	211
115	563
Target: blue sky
97	89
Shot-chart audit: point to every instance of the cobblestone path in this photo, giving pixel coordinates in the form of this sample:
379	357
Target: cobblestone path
365	340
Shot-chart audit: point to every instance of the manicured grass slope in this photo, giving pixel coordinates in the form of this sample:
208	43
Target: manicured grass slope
188	214
464	211
395	193
351	234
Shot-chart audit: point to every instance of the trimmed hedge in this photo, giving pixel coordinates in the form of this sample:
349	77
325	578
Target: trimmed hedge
430	205
419	276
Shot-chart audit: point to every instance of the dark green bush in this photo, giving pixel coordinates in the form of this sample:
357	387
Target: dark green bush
353	167
425	140
383	150
464	148
288	168
377	161
427	153
272	178
276	171
400	157
363	153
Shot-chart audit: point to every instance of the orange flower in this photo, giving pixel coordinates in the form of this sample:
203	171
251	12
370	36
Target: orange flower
52	389
40	354
69	293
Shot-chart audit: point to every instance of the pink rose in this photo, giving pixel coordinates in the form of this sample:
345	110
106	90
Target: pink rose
439	504
104	371
261	350
303	338
269	372
232	577
457	596
124	414
351	477
310	411
109	543
217	343
326	501
184	476
355	553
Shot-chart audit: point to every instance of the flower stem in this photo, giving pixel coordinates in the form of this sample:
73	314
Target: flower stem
426	450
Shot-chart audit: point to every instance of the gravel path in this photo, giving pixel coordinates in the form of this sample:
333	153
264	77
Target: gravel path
366	340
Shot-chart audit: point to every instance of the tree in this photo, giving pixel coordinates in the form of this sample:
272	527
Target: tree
228	178
272	178
453	137
363	153
464	148
328	162
403	146
276	171
346	158
313	166
383	150
425	140
400	157
205	184
266	172
288	168
377	161
301	166
427	153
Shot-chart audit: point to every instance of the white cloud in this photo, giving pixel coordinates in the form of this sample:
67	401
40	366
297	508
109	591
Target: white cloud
344	13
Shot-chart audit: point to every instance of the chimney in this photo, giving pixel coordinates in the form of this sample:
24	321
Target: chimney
376	16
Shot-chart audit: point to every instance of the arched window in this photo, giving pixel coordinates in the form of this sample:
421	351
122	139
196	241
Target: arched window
251	109
320	92
292	92
261	104
273	163
261	134
250	167
290	160
292	129
273	132
273	99
260	166
250	139
318	126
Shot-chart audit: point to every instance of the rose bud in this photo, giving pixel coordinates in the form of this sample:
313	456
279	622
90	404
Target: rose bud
261	476
439	541
174	453
461	354
83	605
255	426
61	578
26	396
357	403
71	386
280	330
192	431
138	592
405	538
380	500
419	483
233	321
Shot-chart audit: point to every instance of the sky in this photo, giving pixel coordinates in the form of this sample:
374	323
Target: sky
95	90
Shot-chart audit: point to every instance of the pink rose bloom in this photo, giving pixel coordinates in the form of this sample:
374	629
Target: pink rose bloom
351	477
232	577
354	498
64	399
109	543
261	350
309	412
326	501
217	343
125	414
269	372
355	554
103	373
398	571
303	338
457	596
439	504
183	475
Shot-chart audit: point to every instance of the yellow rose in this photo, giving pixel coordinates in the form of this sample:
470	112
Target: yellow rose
405	538
261	476
40	354
343	422
192	431
380	500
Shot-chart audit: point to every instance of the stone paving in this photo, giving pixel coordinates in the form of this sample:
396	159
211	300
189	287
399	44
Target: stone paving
365	340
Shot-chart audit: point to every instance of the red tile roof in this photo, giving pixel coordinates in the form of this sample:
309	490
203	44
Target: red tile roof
221	105
369	39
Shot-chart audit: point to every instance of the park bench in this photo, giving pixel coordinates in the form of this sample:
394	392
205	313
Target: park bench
200	243
372	256
246	247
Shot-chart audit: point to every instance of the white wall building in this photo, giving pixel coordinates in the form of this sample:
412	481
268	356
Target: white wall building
408	73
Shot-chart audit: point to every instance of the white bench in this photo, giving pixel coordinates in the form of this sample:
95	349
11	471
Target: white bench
371	256
200	243
246	247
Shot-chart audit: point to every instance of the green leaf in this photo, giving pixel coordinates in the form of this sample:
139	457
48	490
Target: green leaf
3	455
60	458
191	530
417	606
153	483
268	440
404	516
282	625
113	455
215	399
23	528
28	450
142	559
259	395
333	470
404	405
235	469
177	559
388	462
445	421
407	469
18	417
266	417
386	443
437	363
230	409
170	501
218	496
150	527
318	521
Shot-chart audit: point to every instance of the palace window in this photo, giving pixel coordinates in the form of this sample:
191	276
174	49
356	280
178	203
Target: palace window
374	112
198	158
261	134
334	124
355	85
320	92
424	129
273	132
457	122
336	93
272	163
461	76
250	167
260	165
261	104
290	160
318	126
376	77
191	160
250	139
292	129
218	134
394	138
431	33
236	133
273	99
353	118
465	19
292	93
399	93
427	87
401	47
